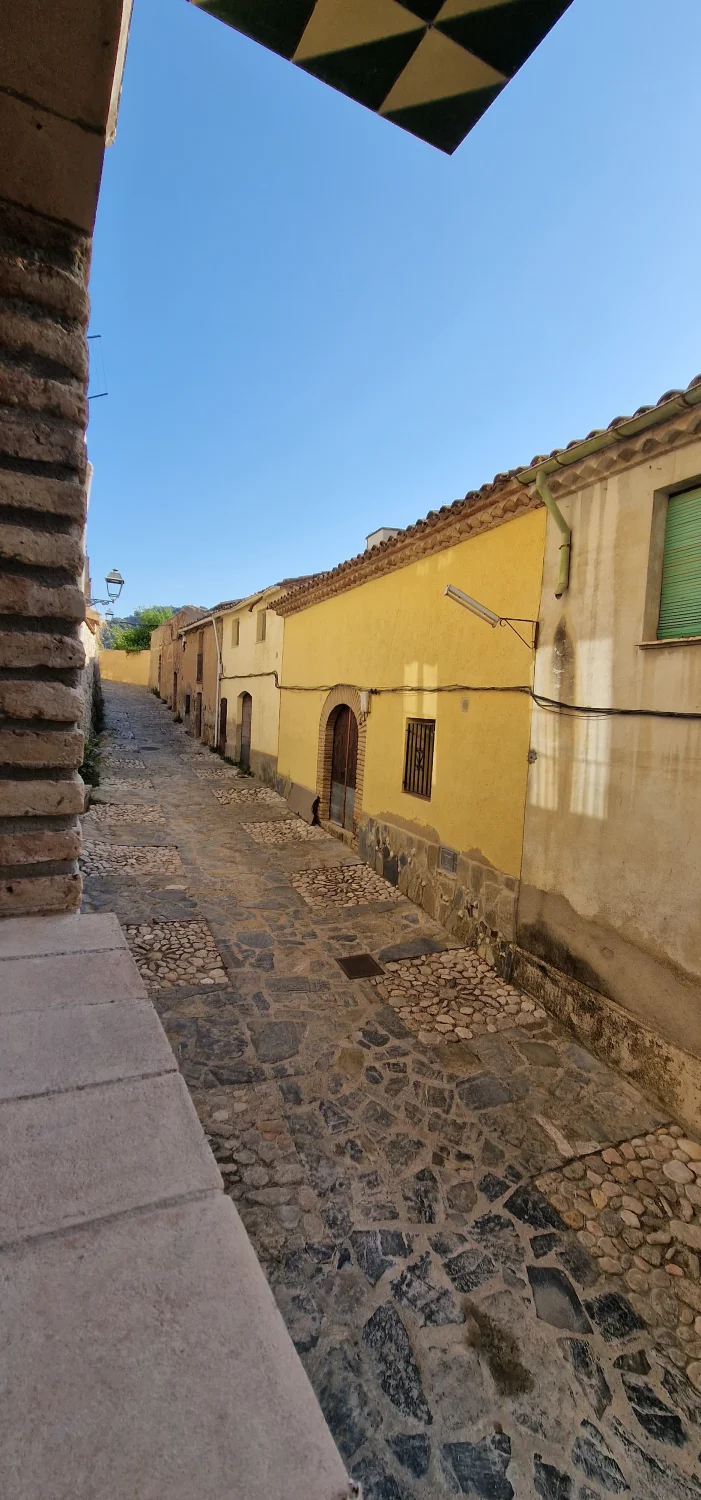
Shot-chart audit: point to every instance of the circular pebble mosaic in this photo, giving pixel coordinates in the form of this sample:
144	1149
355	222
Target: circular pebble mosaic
133	762
126	784
249	794
636	1207
172	953
138	859
342	885
217	773
284	831
123	812
454	996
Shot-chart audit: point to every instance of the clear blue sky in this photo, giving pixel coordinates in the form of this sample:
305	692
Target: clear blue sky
314	324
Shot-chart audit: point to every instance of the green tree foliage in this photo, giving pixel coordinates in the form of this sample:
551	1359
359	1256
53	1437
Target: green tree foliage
137	637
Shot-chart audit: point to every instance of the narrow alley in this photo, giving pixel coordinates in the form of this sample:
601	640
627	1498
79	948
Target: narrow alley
485	1244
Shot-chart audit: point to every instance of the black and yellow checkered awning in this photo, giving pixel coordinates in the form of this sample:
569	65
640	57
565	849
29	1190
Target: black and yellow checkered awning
431	66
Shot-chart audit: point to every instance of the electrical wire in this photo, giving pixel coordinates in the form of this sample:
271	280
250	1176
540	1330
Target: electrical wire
549	705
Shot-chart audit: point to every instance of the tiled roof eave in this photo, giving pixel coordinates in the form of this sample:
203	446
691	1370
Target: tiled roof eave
675	420
504	503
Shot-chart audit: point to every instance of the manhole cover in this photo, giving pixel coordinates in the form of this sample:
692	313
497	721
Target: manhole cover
360	966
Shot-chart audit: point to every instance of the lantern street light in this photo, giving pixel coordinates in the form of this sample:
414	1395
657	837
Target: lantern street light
115	584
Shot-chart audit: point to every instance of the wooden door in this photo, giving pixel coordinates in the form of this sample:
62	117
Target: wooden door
221	746
246	710
344	765
198	715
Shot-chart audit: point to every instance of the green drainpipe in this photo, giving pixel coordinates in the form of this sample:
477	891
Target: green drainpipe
550	504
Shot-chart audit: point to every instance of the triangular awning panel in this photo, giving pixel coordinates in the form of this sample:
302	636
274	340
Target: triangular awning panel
431	66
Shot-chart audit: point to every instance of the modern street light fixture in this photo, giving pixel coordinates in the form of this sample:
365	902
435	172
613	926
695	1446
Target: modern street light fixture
489	616
115	584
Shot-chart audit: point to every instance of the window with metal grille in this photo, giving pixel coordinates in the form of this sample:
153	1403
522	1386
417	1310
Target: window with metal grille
418	757
680	600
235	632
261	624
200	656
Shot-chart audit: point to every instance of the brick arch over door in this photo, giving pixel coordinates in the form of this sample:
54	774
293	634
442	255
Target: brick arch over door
336	698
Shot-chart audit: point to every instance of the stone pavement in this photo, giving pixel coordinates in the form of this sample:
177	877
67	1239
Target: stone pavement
484	1243
143	1353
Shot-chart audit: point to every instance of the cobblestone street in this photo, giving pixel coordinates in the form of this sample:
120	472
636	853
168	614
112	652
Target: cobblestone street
484	1243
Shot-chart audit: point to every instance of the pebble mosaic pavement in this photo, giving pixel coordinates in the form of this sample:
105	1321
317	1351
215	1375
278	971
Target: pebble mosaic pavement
122	812
250	794
453	997
486	1248
283	831
110	783
349	884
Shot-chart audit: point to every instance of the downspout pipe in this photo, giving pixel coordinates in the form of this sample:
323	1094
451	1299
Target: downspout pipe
219	678
548	499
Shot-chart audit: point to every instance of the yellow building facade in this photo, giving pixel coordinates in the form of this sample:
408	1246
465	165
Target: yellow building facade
251	654
380	667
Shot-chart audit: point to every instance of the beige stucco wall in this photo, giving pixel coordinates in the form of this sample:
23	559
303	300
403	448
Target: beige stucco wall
611	877
250	667
161	647
125	666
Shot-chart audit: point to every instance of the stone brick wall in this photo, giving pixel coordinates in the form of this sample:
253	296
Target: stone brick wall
471	899
43	415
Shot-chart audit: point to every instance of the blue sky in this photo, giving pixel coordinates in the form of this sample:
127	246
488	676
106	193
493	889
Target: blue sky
313	324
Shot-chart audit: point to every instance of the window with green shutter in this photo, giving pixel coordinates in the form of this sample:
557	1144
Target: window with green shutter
680	601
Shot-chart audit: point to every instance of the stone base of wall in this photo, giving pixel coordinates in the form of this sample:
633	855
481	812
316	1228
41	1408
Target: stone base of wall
475	902
657	1066
264	767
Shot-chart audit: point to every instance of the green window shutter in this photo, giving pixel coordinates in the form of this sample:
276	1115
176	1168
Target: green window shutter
680	602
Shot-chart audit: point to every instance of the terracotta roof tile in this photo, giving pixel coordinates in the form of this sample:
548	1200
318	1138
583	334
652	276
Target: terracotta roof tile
474	500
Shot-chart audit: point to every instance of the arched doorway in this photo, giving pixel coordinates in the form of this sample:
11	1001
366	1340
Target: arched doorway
246	711
344	767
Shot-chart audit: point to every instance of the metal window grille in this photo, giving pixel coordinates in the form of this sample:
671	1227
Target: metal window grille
418	757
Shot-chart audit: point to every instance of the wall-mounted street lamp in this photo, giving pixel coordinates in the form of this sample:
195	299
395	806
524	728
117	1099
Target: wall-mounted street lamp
115	584
490	618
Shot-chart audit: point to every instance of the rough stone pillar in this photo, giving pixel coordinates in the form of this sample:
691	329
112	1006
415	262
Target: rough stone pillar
57	69
43	416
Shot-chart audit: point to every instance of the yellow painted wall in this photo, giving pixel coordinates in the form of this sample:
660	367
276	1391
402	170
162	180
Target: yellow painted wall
400	629
125	666
244	666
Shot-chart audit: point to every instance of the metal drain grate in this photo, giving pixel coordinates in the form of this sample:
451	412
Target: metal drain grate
360	966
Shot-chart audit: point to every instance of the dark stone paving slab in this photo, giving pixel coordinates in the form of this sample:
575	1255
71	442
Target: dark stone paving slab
410	1203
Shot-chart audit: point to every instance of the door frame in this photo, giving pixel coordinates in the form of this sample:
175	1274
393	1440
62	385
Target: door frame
244	697
344	710
344	693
